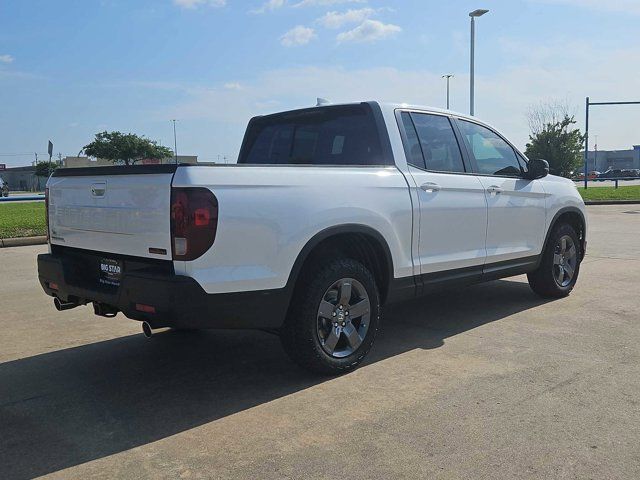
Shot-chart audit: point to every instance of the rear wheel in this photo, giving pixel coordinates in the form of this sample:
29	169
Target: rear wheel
558	271
333	317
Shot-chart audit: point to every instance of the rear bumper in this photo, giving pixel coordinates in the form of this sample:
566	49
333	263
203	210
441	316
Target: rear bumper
178	301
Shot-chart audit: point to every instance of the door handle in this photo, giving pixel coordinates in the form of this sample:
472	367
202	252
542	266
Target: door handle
430	187
494	189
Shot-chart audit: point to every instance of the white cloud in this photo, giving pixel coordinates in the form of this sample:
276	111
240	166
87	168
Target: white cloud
6	58
325	3
191	4
337	20
623	6
233	86
369	31
269	6
297	36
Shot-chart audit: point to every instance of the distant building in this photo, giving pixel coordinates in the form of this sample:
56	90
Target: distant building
23	178
602	160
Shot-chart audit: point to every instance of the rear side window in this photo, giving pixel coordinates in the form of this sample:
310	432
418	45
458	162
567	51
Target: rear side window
431	143
340	135
413	149
493	155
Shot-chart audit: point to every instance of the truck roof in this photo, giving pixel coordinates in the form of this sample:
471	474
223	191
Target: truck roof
423	108
383	106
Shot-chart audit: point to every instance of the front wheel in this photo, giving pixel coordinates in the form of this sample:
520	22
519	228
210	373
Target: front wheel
333	318
558	271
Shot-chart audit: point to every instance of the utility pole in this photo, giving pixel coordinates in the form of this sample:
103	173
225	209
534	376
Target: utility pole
448	76
175	141
473	15
586	144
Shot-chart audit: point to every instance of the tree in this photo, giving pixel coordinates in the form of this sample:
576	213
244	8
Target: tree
551	110
43	169
125	148
559	143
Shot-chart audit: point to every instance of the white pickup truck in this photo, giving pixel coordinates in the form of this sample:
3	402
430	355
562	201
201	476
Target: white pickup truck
330	213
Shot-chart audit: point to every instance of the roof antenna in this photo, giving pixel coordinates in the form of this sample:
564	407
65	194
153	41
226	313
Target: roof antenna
322	101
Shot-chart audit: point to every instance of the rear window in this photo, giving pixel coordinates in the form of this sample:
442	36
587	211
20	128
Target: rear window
340	135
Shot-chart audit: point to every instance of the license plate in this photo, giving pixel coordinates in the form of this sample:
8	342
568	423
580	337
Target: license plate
110	272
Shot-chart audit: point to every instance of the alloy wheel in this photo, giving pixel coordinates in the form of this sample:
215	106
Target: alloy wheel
565	261
343	317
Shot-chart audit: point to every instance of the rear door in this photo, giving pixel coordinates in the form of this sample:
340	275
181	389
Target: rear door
452	206
122	211
517	213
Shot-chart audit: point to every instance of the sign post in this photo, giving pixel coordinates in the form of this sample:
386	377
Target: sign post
50	150
586	131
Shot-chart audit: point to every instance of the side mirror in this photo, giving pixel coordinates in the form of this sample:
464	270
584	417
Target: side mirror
538	168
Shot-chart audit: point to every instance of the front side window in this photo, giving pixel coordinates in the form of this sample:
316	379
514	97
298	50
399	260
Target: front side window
339	135
492	154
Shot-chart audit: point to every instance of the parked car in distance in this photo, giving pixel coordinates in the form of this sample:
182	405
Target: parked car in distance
592	175
611	174
4	188
630	172
331	213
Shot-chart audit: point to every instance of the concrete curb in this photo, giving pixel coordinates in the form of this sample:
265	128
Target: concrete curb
613	202
21	242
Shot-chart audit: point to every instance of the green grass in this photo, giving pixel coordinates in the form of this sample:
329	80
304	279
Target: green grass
24	219
610	193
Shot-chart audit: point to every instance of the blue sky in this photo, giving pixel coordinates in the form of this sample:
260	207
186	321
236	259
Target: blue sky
69	69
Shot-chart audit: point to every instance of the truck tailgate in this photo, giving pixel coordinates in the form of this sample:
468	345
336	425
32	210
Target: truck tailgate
128	214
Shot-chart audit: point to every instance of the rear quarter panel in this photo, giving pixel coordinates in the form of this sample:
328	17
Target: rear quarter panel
267	214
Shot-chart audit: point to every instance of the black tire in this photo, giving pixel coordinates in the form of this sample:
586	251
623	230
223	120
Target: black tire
300	334
545	280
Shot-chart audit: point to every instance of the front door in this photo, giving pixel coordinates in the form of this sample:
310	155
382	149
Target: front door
517	213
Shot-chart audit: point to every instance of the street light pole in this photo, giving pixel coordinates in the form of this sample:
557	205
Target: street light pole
473	15
448	76
175	142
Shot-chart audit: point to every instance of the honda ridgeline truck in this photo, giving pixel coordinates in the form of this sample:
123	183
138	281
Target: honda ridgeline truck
330	213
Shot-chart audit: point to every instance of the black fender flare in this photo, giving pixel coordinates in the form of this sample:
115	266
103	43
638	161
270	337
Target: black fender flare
554	221
329	232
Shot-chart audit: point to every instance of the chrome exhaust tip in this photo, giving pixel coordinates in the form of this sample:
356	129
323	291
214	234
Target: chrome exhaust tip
148	331
60	305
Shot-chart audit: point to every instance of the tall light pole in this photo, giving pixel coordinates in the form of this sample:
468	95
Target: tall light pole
473	15
175	142
447	77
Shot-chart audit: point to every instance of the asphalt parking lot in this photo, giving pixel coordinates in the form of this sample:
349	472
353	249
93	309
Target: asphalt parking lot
485	382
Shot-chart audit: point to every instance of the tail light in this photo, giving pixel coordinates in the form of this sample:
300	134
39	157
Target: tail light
194	221
46	209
